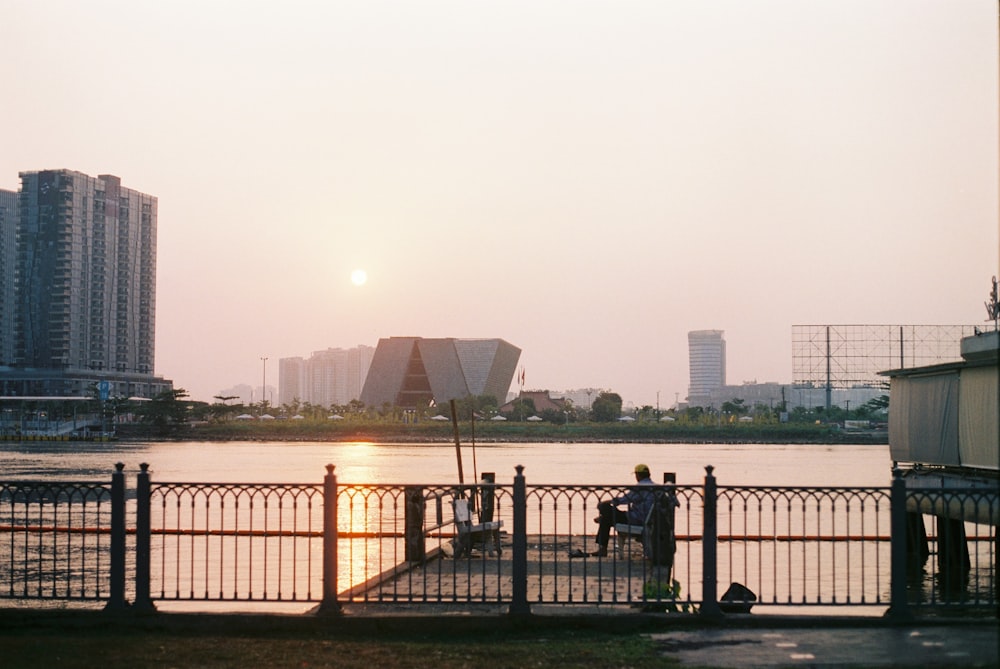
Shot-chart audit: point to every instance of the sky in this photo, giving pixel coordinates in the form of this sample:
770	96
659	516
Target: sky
587	180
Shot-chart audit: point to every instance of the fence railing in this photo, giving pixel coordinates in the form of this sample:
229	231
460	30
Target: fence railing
334	545
63	540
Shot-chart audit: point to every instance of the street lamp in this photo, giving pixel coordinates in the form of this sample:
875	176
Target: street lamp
263	386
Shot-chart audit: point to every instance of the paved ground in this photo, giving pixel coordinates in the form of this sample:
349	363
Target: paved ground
744	641
968	645
604	592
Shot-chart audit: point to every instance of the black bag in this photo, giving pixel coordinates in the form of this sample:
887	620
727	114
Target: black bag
737	599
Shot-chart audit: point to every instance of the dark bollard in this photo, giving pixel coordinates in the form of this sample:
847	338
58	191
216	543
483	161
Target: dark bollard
143	529
899	607
709	585
487	497
953	557
415	549
116	599
519	589
329	605
917	546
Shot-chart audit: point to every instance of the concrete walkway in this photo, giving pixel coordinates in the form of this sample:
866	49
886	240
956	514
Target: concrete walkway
969	644
553	576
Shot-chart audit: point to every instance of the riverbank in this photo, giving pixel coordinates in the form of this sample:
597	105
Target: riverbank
349	430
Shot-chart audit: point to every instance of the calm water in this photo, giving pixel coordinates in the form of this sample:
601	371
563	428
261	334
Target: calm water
360	463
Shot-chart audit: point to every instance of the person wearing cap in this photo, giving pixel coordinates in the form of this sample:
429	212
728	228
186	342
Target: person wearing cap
638	504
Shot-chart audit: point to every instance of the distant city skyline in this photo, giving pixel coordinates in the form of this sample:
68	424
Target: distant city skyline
591	183
333	376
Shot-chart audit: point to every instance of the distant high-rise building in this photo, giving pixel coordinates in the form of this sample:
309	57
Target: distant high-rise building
84	300
331	377
582	398
707	359
291	380
412	371
8	260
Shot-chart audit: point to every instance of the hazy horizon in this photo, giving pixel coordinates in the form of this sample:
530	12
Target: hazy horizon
588	181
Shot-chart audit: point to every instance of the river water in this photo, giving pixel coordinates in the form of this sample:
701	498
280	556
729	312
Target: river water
367	463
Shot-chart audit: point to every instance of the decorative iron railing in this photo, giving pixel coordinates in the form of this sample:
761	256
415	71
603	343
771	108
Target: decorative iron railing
63	540
730	548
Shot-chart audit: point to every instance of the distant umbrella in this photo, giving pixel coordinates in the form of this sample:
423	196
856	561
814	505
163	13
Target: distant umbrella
335	416
439	417
267	416
626	419
498	417
534	418
244	416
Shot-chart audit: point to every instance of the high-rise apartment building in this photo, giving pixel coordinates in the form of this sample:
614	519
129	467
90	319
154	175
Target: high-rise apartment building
8	260
291	380
331	377
707	359
84	300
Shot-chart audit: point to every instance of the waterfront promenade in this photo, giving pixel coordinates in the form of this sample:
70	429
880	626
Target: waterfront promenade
741	641
608	599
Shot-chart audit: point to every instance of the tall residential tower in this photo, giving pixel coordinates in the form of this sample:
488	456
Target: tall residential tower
8	260
85	295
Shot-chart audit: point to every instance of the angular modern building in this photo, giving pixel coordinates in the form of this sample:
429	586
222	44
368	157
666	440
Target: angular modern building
707	359
413	371
84	300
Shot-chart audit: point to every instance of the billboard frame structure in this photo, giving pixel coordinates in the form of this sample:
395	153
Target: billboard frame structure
851	356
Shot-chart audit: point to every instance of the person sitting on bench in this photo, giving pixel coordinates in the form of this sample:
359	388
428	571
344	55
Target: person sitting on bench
639	502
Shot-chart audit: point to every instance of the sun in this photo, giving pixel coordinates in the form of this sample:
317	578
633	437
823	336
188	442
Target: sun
358	277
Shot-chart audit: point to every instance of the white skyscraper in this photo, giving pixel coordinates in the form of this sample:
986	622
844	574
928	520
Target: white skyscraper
707	359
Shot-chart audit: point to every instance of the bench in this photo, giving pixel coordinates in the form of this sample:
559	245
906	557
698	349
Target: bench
626	534
467	534
660	523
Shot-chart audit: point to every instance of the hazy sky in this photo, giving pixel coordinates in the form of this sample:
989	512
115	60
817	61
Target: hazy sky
587	180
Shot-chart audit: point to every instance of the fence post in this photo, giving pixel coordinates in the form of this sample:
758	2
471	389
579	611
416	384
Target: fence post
709	569
329	605
899	609
143	532
116	598
519	599
415	549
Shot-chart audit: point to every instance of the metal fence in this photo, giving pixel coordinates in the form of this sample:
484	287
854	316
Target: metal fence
63	540
731	547
233	542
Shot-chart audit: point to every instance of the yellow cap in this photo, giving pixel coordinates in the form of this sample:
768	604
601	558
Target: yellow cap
642	469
